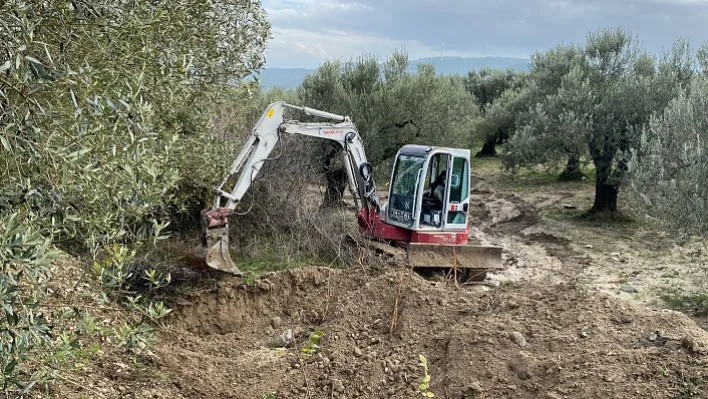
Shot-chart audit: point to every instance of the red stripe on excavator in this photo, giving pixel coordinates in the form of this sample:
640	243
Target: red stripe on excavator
371	224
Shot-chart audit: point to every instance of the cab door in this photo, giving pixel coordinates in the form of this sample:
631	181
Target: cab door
457	199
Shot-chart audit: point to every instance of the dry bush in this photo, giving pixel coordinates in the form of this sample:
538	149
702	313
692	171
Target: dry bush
283	212
280	222
282	218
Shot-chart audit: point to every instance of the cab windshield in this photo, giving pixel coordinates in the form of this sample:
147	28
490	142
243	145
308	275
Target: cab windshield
404	188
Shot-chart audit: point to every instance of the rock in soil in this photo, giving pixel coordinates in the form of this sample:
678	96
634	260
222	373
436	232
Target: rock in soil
518	338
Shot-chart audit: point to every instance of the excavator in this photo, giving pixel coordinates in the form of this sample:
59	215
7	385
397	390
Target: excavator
424	223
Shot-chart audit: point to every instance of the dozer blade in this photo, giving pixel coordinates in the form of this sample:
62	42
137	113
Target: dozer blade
215	251
461	257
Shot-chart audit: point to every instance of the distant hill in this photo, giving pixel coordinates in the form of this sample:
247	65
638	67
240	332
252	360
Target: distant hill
292	77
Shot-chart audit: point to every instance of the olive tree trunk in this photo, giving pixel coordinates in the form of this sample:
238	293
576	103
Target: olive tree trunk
572	170
605	198
606	185
489	148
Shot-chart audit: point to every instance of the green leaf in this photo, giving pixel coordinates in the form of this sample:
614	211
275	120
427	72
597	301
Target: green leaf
10	367
5	143
429	395
32	59
5	66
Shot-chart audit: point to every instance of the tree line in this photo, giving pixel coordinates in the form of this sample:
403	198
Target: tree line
607	102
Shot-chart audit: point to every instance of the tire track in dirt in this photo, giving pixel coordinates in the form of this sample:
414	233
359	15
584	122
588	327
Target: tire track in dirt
530	252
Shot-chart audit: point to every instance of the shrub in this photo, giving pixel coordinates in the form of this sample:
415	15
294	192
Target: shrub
99	121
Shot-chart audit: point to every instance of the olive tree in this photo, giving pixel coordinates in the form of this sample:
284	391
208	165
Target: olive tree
668	171
549	131
489	86
102	105
626	102
390	107
702	58
605	94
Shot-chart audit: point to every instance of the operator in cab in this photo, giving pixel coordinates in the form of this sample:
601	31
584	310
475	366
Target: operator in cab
437	187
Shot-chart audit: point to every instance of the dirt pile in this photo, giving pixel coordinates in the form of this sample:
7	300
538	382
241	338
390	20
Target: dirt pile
520	341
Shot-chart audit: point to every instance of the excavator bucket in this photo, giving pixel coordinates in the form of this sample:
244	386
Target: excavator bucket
215	251
472	260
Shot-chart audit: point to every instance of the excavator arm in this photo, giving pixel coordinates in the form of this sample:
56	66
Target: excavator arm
264	137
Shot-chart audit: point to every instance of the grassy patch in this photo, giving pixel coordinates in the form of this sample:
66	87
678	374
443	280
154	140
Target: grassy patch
272	259
486	166
685	302
547	178
529	177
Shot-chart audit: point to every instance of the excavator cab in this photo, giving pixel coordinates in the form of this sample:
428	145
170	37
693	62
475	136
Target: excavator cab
429	196
429	190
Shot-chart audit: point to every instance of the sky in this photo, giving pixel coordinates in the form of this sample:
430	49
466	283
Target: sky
307	32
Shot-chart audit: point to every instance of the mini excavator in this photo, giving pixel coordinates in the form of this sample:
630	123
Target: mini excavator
424	222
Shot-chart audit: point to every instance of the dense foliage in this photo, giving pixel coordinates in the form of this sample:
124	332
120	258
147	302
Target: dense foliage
102	105
390	106
669	170
593	101
488	86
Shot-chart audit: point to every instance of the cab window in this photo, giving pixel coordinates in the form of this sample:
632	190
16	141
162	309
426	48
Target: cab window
404	188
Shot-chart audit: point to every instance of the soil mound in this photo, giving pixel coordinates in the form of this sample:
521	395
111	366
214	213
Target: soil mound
520	341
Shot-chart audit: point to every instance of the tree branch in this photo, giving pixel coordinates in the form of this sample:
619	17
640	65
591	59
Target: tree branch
391	151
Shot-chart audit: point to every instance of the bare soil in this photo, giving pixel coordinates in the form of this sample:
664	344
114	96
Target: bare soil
522	341
574	314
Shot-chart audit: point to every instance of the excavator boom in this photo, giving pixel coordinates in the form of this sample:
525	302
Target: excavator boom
248	163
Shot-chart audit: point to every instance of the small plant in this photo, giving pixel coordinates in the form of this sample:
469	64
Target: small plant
312	345
88	323
112	269
269	395
157	310
425	379
156	279
153	310
133	338
66	346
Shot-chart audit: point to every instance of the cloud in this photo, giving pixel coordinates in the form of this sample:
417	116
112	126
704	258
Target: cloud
335	29
299	48
294	11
